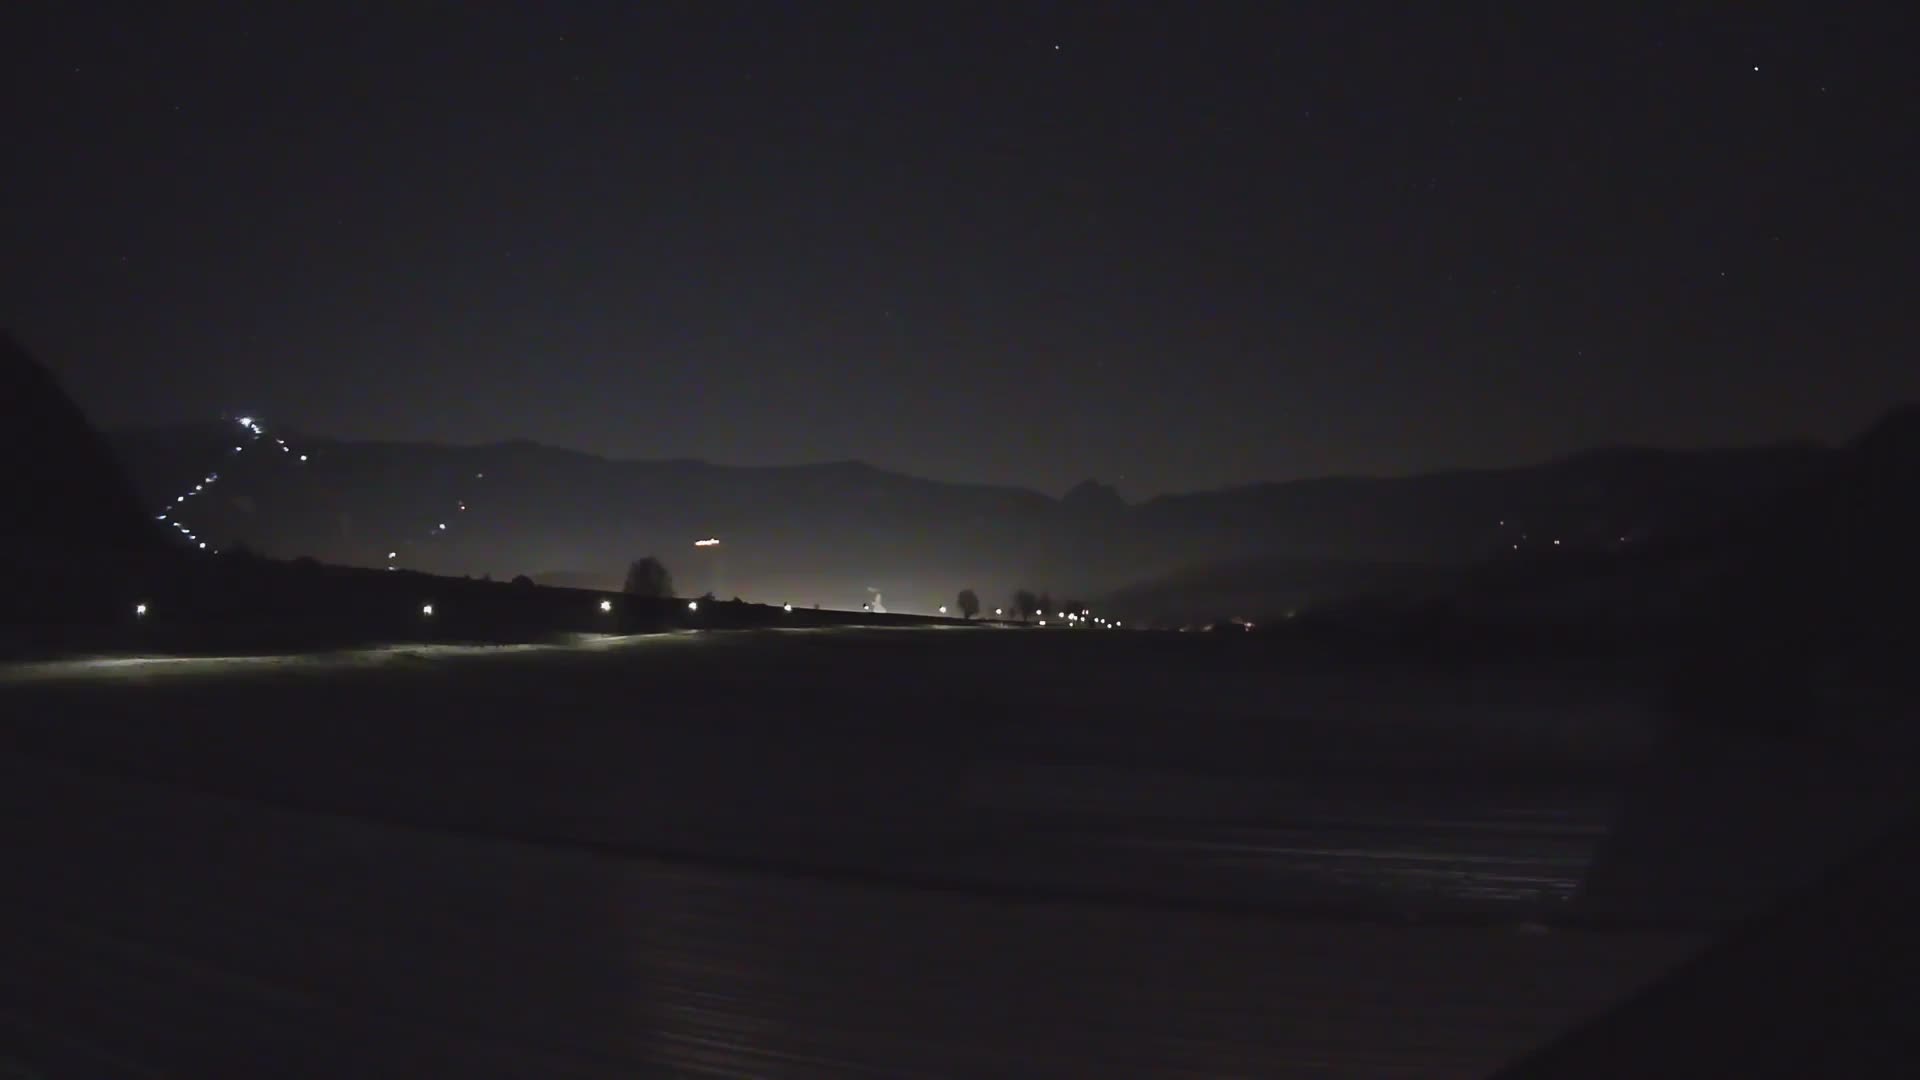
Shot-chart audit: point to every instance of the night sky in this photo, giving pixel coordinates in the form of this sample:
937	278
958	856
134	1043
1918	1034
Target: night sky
1170	247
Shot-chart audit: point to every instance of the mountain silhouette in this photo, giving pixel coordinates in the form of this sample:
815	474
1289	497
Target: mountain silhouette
824	533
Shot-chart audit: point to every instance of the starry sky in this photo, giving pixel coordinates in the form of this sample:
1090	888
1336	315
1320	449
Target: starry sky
1170	246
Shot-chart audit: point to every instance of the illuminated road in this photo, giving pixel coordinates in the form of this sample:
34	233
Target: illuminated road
302	868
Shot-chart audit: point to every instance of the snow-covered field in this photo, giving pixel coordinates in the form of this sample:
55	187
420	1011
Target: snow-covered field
1131	765
833	853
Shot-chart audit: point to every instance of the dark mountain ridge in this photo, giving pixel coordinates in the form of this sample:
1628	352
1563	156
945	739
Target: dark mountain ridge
833	532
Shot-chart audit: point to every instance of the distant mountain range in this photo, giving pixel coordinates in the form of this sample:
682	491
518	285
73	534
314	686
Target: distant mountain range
837	533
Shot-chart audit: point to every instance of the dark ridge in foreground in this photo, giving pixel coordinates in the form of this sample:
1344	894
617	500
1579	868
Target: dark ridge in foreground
66	495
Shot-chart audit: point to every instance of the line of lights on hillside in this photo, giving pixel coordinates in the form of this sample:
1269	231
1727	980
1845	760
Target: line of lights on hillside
254	433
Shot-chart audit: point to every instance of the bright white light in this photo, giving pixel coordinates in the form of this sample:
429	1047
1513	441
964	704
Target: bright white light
236	449
943	609
203	545
197	487
1556	543
693	605
1059	614
179	498
139	609
606	605
443	526
786	607
999	611
427	610
1043	622
708	542
393	554
303	457
246	421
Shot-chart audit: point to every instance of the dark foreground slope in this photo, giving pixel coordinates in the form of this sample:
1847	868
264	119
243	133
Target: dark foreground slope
66	497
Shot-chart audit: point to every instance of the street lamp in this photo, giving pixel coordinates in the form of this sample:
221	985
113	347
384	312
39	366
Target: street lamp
693	605
606	606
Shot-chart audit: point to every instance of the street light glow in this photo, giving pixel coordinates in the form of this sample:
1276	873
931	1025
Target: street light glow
140	609
943	609
606	605
693	605
427	610
788	608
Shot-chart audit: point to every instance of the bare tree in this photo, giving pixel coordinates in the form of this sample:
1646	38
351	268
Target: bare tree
648	577
969	604
1026	604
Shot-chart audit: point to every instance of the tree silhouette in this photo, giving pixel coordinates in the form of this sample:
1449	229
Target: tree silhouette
523	581
1025	603
648	577
969	604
